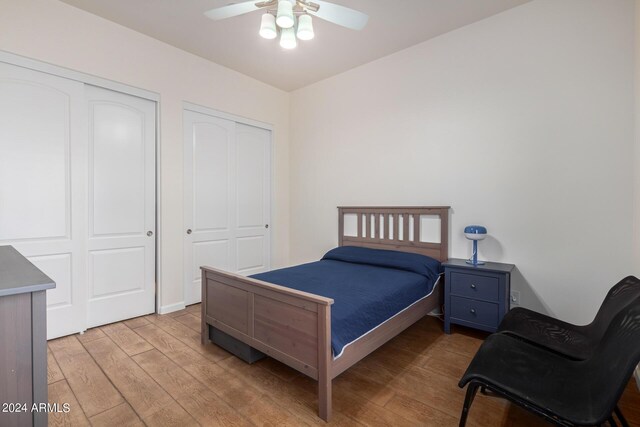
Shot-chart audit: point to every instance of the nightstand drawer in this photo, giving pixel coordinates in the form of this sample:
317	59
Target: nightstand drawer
475	286
484	313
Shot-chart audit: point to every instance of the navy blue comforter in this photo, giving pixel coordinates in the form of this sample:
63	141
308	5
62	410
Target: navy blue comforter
368	286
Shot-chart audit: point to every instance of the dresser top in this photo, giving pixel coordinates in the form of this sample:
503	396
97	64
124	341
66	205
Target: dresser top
497	267
18	275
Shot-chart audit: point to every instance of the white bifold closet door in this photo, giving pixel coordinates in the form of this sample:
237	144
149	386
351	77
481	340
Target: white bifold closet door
77	194
227	202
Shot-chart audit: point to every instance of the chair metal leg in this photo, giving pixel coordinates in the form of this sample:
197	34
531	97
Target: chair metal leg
472	388
621	417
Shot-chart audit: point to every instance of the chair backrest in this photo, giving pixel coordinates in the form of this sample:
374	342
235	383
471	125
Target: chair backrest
618	297
614	359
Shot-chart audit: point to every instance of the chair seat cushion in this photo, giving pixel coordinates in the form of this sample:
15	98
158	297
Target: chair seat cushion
536	376
561	337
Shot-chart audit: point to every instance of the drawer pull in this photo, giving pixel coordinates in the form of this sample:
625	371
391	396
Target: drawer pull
473	286
472	311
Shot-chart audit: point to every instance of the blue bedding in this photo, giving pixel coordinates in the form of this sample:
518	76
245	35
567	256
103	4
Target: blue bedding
368	286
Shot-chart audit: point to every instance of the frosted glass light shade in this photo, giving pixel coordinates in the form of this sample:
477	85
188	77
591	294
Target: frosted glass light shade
268	26
285	14
288	38
475	232
305	27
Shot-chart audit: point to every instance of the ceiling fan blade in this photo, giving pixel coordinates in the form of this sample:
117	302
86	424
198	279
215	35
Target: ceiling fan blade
340	15
231	10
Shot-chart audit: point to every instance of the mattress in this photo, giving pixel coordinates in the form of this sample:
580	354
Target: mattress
368	286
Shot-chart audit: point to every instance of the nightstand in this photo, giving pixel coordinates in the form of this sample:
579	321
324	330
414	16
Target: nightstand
476	296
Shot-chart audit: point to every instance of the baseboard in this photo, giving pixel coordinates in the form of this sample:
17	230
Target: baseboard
165	309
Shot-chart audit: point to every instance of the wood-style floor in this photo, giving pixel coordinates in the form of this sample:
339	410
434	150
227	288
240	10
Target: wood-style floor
152	370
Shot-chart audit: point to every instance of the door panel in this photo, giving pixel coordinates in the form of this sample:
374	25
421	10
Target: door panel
118	170
121	241
34	139
253	157
251	166
250	253
58	267
227	198
210	153
209	197
214	253
117	272
43	145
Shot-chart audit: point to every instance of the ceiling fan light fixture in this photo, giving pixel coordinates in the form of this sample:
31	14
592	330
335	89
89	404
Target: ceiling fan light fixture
285	17
305	27
268	27
288	38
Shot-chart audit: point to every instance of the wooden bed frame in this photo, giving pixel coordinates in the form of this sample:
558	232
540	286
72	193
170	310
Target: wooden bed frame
294	327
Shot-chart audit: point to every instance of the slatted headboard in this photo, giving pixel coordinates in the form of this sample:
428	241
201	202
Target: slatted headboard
395	228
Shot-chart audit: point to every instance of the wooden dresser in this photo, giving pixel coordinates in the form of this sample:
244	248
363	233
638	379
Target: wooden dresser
23	340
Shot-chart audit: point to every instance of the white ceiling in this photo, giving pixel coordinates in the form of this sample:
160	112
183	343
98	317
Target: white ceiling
235	43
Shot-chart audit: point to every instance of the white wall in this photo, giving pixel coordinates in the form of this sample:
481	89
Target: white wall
522	122
57	33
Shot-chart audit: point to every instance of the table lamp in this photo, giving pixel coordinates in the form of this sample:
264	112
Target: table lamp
475	233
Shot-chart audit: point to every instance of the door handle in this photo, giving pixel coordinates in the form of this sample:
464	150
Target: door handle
189	231
266	226
149	233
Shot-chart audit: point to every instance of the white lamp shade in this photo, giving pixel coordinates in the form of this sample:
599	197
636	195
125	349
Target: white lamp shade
285	14
288	38
305	27
268	26
473	236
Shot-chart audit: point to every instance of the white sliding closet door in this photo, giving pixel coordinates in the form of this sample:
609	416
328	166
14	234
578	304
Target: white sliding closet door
253	199
42	194
77	194
227	198
209	195
122	200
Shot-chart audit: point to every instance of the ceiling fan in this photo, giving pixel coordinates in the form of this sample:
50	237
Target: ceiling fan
281	16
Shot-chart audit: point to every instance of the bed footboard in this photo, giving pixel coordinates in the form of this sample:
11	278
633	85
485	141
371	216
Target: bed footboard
291	326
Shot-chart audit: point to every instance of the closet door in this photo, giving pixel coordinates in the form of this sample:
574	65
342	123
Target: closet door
226	198
121	237
42	190
253	199
209	197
